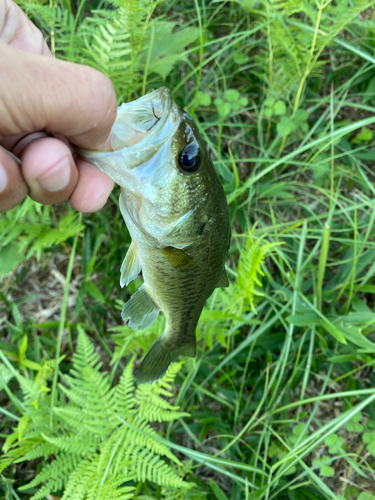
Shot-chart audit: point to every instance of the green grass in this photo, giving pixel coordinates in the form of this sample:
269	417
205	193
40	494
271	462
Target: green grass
281	394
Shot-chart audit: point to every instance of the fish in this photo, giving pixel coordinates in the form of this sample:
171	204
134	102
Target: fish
176	211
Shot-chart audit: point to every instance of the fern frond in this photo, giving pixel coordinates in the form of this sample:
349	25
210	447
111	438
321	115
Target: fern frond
249	269
85	355
71	416
83	444
124	393
100	443
107	43
125	438
41	450
115	491
150	467
82	479
54	475
92	394
154	408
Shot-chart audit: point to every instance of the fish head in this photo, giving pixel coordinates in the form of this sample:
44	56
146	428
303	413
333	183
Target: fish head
160	161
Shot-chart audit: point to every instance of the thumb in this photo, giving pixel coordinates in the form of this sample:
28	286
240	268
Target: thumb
41	93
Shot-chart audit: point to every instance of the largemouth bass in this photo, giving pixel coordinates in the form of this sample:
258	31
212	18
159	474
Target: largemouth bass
176	212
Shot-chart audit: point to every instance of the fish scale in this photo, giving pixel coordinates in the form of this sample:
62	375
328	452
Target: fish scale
176	212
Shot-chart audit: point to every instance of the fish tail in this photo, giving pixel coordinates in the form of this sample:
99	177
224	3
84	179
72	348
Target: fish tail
159	357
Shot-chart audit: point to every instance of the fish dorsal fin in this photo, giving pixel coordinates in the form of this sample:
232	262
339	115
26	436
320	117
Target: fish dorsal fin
140	311
223	281
131	266
178	258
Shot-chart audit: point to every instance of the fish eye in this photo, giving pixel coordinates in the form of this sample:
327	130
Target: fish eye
189	158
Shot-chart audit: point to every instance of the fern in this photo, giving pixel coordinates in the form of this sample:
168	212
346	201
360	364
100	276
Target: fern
293	47
250	270
116	40
102	438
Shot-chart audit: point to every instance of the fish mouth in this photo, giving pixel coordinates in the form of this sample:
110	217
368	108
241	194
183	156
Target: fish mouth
141	120
142	128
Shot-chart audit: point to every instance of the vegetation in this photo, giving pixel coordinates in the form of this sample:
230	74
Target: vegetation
280	401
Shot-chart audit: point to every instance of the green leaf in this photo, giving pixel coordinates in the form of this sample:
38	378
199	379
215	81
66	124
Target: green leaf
223	108
17	315
284	127
279	108
331	440
327	471
231	95
10	256
334	331
301	115
371	448
240	57
355	336
368	437
299	429
94	291
217	491
268	112
366	496
31	364
168	48
356	417
362	319
307	319
350	427
334	442
203	99
6	375
23	347
269	102
243	101
319	462
363	135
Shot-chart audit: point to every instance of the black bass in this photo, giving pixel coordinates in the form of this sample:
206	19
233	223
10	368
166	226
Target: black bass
176	211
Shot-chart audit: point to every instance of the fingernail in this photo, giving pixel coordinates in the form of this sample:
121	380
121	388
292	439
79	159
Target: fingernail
57	178
3	179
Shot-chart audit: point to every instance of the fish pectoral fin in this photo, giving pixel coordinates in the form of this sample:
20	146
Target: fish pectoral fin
223	280
140	311
159	357
131	266
178	258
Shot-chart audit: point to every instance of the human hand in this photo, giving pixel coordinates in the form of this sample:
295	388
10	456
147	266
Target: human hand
44	103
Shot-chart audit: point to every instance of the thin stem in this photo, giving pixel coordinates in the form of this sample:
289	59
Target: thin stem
61	327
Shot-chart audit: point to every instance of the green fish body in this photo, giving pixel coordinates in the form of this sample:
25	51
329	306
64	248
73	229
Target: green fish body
176	212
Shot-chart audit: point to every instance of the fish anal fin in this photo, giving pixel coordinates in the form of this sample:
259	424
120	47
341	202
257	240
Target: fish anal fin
131	266
177	258
223	280
140	311
159	357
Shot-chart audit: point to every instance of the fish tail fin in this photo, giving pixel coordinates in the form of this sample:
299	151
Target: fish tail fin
159	357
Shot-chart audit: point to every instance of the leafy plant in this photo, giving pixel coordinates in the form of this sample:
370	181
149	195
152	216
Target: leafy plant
249	270
229	102
273	107
324	468
29	229
101	438
266	391
121	40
